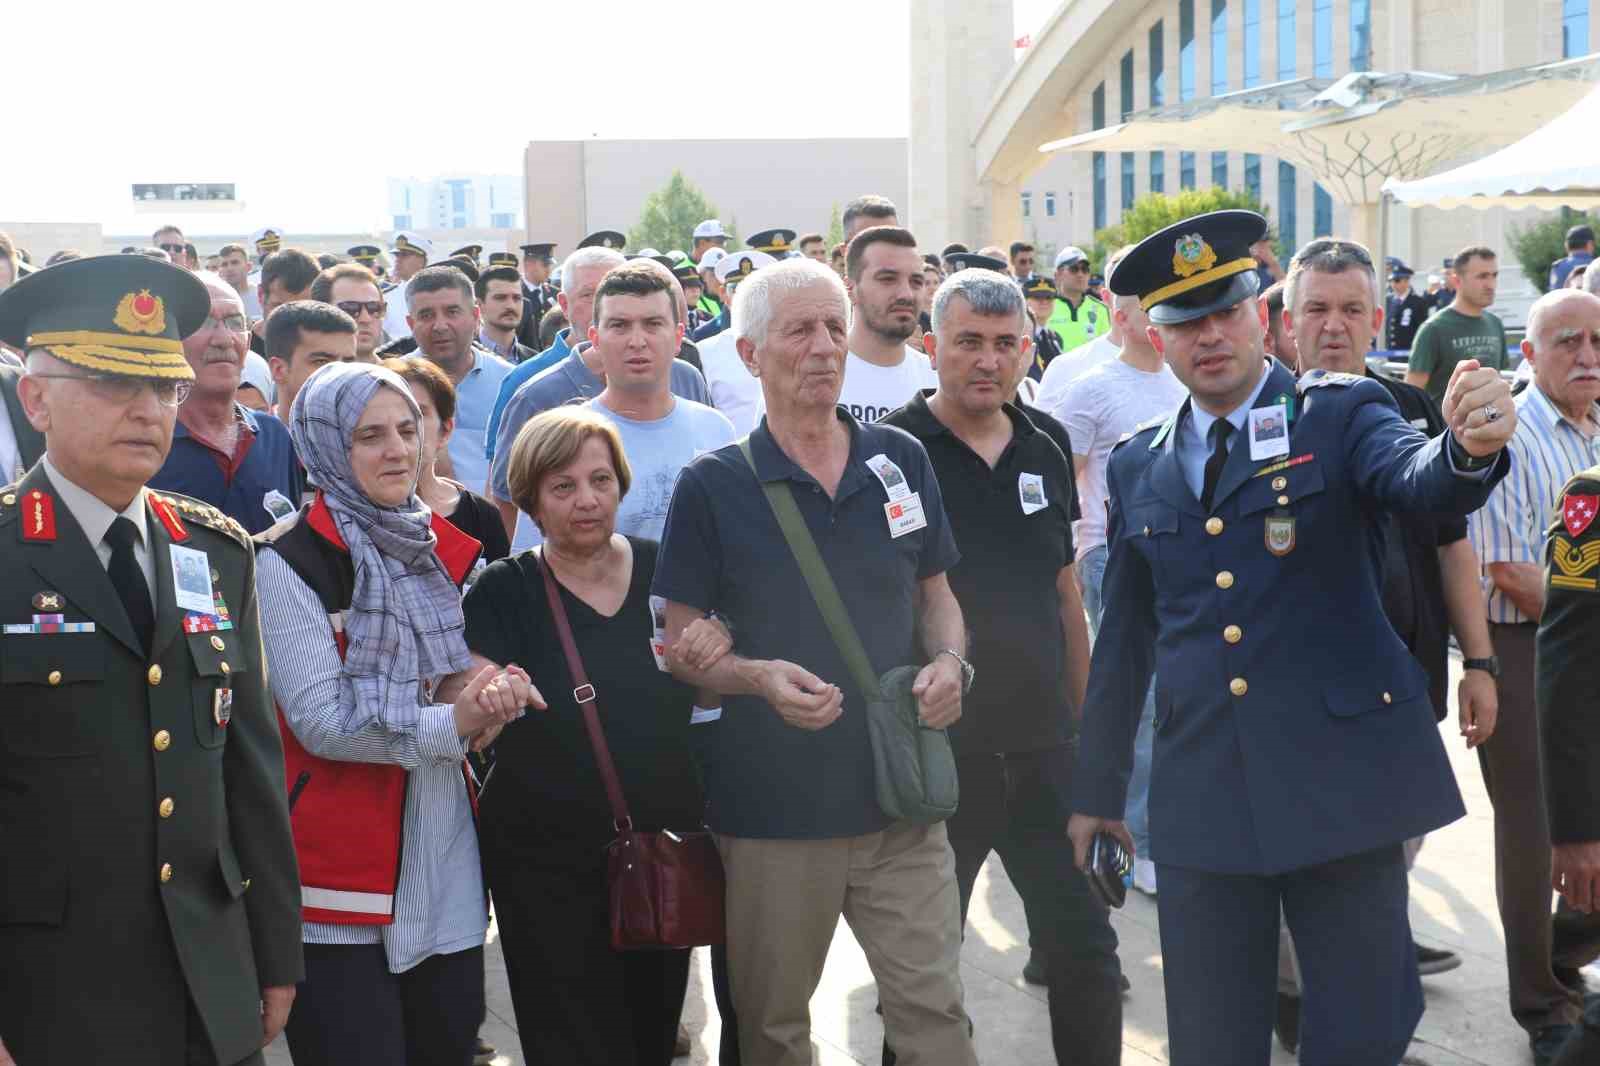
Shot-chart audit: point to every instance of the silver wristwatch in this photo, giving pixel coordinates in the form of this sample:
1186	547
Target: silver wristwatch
967	671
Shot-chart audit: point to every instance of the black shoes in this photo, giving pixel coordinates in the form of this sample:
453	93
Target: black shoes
1435	960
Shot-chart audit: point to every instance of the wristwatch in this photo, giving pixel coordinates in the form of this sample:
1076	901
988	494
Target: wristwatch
1468	463
967	671
1490	666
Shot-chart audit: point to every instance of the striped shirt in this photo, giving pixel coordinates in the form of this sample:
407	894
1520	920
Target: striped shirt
439	902
1546	450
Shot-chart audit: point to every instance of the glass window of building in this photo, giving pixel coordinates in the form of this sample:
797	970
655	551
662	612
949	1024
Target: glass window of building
1219	169
1158	172
502	220
1027	205
1158	65
1187	50
1252	43
1186	179
1127	180
1252	174
1127	85
1219	47
1360	34
402	222
1322	38
1574	28
458	196
1322	212
1286	46
1097	108
1286	207
1049	205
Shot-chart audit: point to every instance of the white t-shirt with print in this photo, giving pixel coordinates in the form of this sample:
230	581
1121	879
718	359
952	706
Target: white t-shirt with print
871	391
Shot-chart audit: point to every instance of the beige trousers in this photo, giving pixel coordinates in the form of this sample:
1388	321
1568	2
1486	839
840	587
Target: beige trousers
896	889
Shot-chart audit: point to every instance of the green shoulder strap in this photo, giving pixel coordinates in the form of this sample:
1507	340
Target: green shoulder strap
818	579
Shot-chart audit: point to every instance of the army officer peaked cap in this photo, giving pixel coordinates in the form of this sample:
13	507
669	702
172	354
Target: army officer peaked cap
1193	268
110	314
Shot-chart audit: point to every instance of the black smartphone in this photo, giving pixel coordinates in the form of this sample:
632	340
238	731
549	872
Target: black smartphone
1109	864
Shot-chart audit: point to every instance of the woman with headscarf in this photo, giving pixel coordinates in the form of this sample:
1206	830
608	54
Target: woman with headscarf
379	702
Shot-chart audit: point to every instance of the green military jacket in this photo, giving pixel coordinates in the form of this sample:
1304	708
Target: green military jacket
143	818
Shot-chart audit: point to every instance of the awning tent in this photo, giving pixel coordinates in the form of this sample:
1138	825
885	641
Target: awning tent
1557	165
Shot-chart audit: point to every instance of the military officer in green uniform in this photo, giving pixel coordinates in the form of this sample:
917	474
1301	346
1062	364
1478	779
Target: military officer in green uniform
149	899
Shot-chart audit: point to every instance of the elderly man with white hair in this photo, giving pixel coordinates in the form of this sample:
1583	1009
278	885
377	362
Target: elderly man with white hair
790	775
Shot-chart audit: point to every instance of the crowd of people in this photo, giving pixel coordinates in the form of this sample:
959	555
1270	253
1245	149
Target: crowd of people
318	573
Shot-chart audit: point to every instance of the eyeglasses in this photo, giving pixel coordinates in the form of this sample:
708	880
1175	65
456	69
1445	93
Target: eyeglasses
353	308
175	249
120	389
233	323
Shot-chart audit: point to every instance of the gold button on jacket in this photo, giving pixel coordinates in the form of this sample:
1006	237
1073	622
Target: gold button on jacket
1225	579
1238	686
154	675
1233	634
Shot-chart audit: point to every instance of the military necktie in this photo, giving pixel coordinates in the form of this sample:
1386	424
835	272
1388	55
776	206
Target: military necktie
1221	430
127	577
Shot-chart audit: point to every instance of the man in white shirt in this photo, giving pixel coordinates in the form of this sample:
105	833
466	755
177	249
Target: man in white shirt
20	444
883	274
734	390
411	253
1099	408
1067	367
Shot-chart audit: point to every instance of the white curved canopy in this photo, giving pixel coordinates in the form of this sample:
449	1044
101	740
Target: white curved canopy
1557	165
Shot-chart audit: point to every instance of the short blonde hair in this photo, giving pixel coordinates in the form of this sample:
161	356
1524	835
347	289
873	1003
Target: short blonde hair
551	440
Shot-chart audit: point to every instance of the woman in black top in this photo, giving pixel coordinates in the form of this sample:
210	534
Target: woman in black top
544	819
466	510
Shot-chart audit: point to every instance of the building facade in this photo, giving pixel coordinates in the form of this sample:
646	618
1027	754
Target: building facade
1172	51
456	202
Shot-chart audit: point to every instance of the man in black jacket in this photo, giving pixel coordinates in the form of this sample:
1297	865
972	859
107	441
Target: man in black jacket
1406	311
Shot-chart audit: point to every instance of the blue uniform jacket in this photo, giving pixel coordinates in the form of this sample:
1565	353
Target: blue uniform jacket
1292	726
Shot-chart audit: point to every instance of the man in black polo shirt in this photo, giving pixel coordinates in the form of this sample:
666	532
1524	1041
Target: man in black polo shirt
1009	493
789	772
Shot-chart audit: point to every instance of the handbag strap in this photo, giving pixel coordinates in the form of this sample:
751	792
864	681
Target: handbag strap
823	590
585	696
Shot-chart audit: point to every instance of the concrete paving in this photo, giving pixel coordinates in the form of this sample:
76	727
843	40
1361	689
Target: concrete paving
1452	906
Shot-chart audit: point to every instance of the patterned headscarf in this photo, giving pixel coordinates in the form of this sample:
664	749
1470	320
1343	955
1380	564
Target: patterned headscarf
405	621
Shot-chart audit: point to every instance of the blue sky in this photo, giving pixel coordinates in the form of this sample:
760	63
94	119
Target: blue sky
310	112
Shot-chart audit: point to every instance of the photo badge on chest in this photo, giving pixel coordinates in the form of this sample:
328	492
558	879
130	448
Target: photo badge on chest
1269	431
191	579
1030	490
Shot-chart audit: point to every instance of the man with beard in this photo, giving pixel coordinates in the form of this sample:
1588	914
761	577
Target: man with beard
538	294
238	461
355	290
884	277
499	291
444	318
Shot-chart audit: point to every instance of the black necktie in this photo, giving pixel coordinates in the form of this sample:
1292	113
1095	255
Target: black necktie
127	577
1221	430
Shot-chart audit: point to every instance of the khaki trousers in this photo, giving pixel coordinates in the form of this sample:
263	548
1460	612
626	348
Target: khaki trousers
896	889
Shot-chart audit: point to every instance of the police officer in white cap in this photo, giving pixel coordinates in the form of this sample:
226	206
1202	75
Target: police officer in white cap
411	252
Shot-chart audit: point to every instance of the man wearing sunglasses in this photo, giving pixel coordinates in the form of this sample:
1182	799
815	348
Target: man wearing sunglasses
240	462
1078	317
355	290
139	755
170	239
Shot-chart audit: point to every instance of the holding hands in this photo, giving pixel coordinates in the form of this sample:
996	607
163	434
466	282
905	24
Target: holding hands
491	698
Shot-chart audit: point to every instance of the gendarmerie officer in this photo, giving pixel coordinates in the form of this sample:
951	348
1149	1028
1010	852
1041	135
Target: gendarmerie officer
538	294
150	909
1295	746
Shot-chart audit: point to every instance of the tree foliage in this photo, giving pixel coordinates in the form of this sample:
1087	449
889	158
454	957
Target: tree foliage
1539	244
835	227
1156	211
669	216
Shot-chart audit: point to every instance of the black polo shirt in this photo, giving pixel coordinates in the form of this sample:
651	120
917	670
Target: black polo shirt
1013	548
1051	427
1413	584
722	550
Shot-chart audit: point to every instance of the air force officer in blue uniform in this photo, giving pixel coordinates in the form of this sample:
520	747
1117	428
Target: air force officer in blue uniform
1295	748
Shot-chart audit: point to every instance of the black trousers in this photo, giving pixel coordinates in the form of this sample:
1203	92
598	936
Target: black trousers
578	1002
1583	1049
1016	805
351	1011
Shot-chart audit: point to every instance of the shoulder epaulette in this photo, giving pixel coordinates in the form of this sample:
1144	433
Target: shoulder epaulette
1317	378
1142	428
8	503
203	514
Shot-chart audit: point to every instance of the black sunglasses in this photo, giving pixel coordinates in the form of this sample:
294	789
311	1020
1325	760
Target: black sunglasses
353	308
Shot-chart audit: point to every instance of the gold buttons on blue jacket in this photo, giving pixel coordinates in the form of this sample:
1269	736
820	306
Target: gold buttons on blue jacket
1224	579
1213	525
1232	634
1238	686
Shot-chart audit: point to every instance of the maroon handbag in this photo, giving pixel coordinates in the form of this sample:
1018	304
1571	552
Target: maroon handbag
667	888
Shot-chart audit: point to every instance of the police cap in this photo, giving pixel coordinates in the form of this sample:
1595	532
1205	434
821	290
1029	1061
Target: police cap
775	242
973	261
1193	268
545	251
604	238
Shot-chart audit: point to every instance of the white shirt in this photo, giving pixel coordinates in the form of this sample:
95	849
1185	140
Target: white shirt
1099	408
10	453
871	391
1067	367
251	296
734	391
94	517
394	316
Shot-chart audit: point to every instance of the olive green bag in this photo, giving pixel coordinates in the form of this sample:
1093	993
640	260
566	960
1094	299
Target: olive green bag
914	766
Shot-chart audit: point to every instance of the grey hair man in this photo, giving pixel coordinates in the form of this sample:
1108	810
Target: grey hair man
790	780
1009	494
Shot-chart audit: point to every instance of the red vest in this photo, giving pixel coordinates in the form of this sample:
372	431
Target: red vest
347	817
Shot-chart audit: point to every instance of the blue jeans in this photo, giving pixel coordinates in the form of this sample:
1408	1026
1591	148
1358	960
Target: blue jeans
1091	574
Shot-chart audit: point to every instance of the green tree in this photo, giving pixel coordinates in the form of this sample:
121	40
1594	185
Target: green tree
1539	244
835	227
1156	211
669	216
